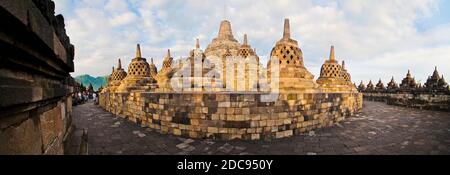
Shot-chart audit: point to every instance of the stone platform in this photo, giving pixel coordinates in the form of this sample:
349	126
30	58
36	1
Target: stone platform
228	116
378	129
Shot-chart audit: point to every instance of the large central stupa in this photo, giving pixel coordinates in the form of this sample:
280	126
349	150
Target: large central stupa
223	42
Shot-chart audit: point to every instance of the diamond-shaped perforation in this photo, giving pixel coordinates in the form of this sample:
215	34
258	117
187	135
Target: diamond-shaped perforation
331	71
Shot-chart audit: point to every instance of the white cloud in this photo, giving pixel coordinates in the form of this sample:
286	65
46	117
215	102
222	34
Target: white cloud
376	38
123	19
115	6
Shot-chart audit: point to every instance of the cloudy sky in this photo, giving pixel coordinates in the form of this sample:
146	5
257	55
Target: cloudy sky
377	39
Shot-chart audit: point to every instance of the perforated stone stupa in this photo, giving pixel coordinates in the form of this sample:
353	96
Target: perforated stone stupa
392	84
139	76
166	73
116	77
408	83
436	82
346	75
196	73
250	61
370	86
361	86
334	77
153	70
293	76
380	86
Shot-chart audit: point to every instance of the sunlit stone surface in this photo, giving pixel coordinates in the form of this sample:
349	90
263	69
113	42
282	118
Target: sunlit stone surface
225	93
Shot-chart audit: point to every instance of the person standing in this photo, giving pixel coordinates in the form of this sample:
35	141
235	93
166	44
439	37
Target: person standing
94	97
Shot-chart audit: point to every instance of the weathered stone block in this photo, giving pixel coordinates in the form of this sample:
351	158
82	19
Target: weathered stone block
177	132
255	136
51	126
22	139
213	130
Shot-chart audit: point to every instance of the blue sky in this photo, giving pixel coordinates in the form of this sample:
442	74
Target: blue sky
376	38
440	16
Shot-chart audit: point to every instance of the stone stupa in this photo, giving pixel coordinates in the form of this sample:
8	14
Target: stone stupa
293	76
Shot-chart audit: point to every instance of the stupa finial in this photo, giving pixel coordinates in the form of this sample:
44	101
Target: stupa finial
332	58
287	29
168	53
197	43
138	51
245	39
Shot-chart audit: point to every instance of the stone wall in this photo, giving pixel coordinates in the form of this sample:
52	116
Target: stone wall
232	115
439	101
35	60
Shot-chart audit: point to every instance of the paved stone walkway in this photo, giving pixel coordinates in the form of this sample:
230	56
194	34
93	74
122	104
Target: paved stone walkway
379	129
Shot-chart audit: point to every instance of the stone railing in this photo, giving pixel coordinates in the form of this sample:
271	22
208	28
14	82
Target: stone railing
232	115
429	101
